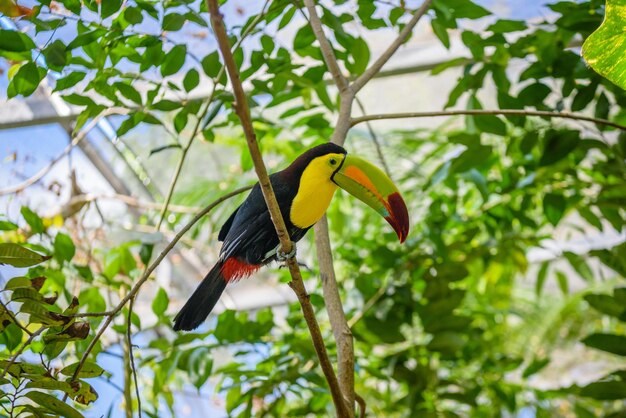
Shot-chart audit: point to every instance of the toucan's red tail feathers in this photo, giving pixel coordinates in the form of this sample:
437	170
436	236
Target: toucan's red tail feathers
234	269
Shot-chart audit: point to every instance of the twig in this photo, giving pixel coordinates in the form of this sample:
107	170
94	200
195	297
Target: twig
21	350
131	357
327	50
14	318
194	132
367	306
144	277
79	137
374	137
336	315
241	107
131	201
362	405
478	112
382	60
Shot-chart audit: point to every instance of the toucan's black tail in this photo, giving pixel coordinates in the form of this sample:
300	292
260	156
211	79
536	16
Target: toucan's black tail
203	300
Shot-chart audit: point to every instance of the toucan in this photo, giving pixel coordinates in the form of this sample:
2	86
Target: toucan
303	191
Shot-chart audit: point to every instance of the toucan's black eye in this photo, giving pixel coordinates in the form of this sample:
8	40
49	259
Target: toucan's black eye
333	161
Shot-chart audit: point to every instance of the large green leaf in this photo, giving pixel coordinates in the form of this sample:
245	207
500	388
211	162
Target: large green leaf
54	404
611	343
19	256
605	49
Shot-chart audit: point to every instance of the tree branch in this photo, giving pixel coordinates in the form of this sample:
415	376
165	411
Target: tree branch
79	137
479	112
297	284
327	50
336	315
382	60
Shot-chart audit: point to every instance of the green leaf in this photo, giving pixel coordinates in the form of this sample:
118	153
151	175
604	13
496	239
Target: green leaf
86	38
441	31
164	147
56	55
167	105
361	56
562	281
558	144
133	15
128	91
506	25
284	21
606	391
606	304
211	64
554	207
145	252
33	220
534	367
14	41
18	256
53	404
541	277
11	336
605	49
71	80
160	302
109	7
446	342
580	265
233	398
304	38
173	22
64	248
89	369
8	226
174	60
26	80
611	343
191	81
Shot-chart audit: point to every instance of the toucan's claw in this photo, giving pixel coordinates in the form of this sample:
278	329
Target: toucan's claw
283	257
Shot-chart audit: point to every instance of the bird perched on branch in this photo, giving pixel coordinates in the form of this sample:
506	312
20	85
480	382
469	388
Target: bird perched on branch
303	191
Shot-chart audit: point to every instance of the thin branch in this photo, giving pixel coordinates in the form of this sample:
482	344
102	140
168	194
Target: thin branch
297	284
478	112
374	137
131	357
14	318
336	315
196	127
21	350
382	60
130	201
327	50
146	275
367	306
79	137
362	405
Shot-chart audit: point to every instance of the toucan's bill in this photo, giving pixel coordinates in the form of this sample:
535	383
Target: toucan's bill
369	184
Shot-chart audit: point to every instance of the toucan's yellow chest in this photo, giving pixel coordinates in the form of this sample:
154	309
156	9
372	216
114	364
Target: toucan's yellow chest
313	198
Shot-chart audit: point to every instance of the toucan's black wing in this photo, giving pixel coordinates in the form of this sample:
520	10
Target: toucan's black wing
226	227
250	234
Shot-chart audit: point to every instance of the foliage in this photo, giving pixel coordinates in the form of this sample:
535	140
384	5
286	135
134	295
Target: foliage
605	47
446	325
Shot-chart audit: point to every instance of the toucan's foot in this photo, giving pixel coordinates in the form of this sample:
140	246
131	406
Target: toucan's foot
300	264
283	257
